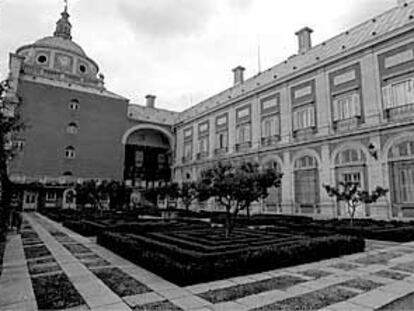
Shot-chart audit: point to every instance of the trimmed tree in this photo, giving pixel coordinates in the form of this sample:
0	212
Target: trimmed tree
10	123
186	191
353	196
236	187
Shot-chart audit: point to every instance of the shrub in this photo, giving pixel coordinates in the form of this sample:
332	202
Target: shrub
186	266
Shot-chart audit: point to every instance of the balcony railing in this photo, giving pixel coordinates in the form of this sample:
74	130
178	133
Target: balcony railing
400	112
347	124
270	141
202	155
243	146
221	151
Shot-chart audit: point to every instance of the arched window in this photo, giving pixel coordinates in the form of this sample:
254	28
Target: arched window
306	177
72	128
70	152
401	157
274	199
350	166
74	105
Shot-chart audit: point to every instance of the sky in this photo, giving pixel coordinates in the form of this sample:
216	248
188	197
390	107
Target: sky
182	51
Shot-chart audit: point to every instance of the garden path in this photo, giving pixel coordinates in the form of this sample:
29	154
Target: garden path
364	281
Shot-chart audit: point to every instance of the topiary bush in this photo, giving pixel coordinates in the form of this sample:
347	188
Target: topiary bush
184	266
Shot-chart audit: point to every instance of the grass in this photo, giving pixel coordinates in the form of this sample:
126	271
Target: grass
380	258
311	301
55	292
41	269
120	282
77	248
36	252
315	273
41	261
344	266
243	290
405	267
391	275
2	249
98	263
361	284
157	306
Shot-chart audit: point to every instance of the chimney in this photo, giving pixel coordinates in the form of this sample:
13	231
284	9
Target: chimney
150	101
238	75
304	39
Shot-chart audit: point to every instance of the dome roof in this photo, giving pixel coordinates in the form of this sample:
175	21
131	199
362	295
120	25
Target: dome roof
60	43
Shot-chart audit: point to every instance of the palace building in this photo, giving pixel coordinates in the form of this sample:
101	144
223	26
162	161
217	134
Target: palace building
342	110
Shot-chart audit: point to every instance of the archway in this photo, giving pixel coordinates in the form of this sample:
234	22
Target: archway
148	155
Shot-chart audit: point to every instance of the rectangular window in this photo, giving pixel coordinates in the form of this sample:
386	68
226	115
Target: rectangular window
243	134
222	120
304	117
346	106
188	133
188	151
221	140
270	126
203	128
203	145
306	186
398	94
403	176
270	104
51	196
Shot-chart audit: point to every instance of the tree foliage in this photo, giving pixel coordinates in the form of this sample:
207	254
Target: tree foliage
353	196
10	123
236	187
95	193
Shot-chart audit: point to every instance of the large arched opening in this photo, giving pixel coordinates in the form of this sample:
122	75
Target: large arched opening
148	156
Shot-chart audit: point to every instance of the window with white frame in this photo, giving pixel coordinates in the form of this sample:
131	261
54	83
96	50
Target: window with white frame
243	133
203	145
306	181
401	156
72	128
304	117
51	196
70	152
221	140
74	104
398	94
346	106
188	150
270	126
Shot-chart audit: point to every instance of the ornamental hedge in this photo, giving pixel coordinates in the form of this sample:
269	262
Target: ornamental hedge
185	266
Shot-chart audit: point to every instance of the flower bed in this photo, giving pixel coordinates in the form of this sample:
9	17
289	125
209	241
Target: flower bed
120	282
55	292
179	257
36	252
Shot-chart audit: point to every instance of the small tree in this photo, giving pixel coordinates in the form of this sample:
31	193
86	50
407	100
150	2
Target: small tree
93	193
186	191
353	196
119	194
236	187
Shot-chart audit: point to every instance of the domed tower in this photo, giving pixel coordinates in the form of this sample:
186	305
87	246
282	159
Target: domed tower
74	124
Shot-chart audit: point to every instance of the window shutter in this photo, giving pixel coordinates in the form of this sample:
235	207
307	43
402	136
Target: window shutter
410	91
311	116
295	120
335	109
357	105
277	125
387	96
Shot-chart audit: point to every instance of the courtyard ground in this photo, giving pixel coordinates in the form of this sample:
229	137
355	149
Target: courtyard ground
97	279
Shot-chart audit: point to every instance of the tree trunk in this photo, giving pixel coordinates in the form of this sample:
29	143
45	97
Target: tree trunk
248	212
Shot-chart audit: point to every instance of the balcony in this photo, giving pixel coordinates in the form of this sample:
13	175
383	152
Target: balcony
202	155
400	112
304	134
270	141
243	146
186	159
346	125
221	151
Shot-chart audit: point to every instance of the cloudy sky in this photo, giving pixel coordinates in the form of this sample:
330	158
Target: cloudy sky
180	50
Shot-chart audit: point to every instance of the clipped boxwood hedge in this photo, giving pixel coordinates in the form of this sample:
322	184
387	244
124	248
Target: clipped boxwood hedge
185	267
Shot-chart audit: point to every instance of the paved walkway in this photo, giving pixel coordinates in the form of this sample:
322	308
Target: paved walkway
364	281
